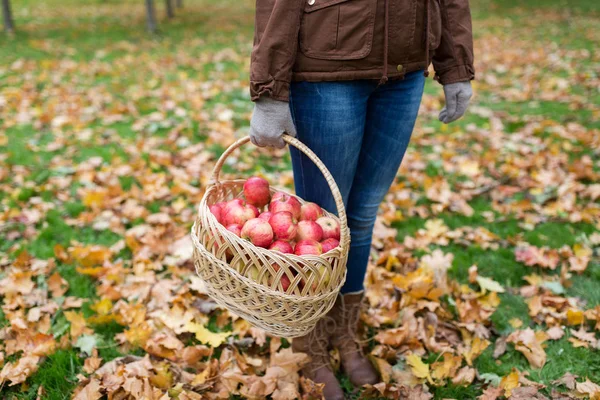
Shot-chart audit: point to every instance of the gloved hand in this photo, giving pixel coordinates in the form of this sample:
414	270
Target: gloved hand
457	100
271	118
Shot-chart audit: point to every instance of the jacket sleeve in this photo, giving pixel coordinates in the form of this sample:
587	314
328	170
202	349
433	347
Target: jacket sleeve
277	26
453	59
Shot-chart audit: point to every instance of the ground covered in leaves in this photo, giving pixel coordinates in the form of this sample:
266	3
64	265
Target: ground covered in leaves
485	280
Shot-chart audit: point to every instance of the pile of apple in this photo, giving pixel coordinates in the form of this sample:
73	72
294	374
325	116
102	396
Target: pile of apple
279	222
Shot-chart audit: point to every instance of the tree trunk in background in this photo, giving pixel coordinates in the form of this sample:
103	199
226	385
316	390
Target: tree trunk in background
180	3
169	6
151	16
8	19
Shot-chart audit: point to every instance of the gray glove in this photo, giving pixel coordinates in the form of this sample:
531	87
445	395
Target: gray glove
271	118
457	100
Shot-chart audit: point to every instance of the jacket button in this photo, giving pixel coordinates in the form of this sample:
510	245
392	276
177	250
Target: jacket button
400	68
311	2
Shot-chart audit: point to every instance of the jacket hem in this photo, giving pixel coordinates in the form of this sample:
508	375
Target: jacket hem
349	75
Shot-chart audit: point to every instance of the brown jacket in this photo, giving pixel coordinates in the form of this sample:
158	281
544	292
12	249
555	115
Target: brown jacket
331	40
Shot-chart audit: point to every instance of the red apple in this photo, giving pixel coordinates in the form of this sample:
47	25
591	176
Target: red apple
226	205
285	283
282	246
278	195
284	225
285	202
235	228
254	210
215	209
236	213
308	246
323	272
309	230
258	231
257	191
310	212
331	228
329	244
265	215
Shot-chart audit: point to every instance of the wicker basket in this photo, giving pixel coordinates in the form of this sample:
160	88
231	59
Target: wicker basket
315	280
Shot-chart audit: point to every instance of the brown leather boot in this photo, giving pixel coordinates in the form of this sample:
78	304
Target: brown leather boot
319	370
346	314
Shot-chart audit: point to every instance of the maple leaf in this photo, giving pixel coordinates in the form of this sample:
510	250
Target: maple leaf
78	324
530	345
57	285
464	377
475	349
447	368
489	284
205	336
20	370
510	382
418	367
91	391
92	363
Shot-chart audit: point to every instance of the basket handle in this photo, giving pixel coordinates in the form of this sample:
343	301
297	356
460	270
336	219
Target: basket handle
337	196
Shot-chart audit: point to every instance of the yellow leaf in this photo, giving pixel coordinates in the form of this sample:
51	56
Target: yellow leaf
582	251
477	347
202	376
78	324
205	336
515	323
489	284
163	378
510	382
94	198
418	367
447	368
102	307
139	334
90	256
92	271
575	317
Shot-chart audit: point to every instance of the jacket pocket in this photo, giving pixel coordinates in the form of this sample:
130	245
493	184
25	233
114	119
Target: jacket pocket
337	29
435	24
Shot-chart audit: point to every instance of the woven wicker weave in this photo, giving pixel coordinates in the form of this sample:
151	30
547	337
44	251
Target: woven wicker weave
257	296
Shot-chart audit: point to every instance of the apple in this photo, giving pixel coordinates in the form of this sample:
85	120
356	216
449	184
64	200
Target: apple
265	215
237	213
309	230
285	283
238	265
329	244
278	195
227	204
235	228
310	212
256	191
282	246
285	202
308	246
258	232
284	225
323	272
331	228
216	210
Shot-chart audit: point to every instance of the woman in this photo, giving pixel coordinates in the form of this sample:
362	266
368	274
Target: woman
347	77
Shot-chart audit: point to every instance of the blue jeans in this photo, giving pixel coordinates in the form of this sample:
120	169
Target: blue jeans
360	131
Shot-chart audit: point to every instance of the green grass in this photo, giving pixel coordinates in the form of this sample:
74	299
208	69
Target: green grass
57	376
